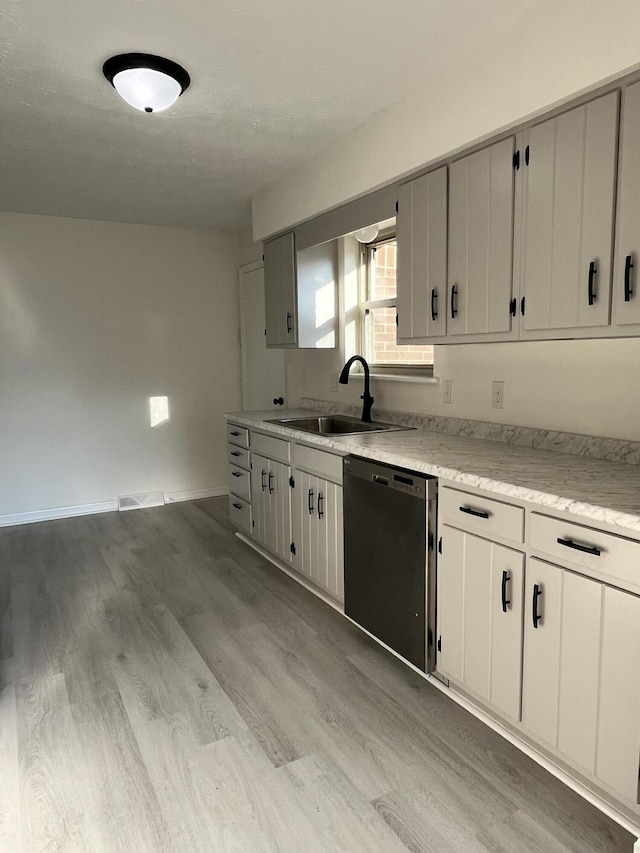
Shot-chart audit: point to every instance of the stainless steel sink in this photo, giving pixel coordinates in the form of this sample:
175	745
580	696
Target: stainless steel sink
334	425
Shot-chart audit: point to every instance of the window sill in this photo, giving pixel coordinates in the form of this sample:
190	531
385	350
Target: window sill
416	380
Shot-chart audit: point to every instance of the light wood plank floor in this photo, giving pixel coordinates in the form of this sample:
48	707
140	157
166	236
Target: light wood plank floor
163	688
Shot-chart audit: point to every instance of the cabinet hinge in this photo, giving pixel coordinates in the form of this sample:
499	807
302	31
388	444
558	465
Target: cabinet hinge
513	306
293	548
522	306
439	644
440	545
516	160
526	156
292	482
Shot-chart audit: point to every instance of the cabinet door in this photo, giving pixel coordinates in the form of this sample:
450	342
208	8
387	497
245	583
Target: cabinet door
451	564
280	291
480	585
279	500
481	192
422	257
569	183
541	673
329	564
618	753
259	495
304	499
626	278
580	634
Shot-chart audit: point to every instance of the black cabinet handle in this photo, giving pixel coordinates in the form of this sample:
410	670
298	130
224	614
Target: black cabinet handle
591	293
434	303
289	327
513	306
236	474
587	549
237	506
234	433
522	301
537	592
628	266
477	512
310	501
235	453
278	401
262	482
270	479
320	505
454	301
506	577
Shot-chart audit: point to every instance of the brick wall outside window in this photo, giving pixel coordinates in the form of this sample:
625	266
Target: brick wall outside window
383	348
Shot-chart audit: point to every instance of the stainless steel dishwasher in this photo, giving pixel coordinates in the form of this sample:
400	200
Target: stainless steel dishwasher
389	559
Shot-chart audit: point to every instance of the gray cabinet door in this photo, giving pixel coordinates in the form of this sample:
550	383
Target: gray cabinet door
626	276
280	291
481	198
569	184
422	257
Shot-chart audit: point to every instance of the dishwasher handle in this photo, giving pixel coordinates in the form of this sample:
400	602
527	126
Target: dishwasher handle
377	478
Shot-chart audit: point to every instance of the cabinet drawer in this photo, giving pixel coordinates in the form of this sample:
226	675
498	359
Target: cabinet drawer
605	553
240	513
239	482
484	515
239	456
238	435
319	462
273	448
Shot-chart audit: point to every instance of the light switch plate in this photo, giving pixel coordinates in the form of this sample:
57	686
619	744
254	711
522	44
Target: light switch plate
447	391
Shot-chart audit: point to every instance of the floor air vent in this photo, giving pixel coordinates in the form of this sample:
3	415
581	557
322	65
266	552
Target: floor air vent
140	501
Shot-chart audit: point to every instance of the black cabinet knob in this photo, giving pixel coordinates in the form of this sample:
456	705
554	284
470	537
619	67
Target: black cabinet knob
278	401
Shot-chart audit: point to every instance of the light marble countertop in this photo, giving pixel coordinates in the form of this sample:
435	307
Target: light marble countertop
594	489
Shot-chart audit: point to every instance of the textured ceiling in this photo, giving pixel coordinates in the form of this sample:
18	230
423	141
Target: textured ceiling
273	82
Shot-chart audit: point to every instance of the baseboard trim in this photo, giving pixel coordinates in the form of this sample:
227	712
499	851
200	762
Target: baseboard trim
57	512
195	494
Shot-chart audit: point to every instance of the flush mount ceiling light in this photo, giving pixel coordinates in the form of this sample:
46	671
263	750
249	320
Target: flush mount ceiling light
147	82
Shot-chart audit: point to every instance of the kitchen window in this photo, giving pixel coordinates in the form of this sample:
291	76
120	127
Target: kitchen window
378	313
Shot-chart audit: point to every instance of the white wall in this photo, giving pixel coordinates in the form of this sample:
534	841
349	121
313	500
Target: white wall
574	45
588	387
95	318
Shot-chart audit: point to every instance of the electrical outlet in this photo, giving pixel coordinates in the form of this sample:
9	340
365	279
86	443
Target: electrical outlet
447	391
333	383
497	395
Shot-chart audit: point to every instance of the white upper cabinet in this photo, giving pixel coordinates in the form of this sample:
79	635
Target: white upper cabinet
626	278
422	257
567	219
301	294
481	204
280	292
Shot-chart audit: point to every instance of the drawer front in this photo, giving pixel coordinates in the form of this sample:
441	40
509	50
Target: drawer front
480	514
240	513
605	553
239	456
273	448
240	483
238	435
319	462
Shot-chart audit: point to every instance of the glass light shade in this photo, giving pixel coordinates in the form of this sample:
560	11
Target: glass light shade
146	89
367	234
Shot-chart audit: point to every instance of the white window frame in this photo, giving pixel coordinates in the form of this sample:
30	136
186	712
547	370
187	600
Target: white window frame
365	305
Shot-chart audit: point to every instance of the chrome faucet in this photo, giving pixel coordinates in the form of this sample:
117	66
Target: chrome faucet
366	397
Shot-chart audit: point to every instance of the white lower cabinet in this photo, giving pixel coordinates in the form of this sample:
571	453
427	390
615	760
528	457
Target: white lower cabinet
480	590
271	504
317	532
581	682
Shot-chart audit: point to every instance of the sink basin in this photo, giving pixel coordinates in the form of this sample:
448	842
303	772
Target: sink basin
334	425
